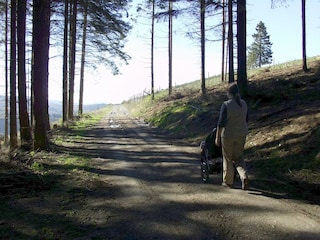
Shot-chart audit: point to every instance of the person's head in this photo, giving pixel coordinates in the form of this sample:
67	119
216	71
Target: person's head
233	92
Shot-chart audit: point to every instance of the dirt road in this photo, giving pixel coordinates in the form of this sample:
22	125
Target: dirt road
152	190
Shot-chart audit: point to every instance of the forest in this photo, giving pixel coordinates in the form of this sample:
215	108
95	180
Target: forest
31	27
132	170
95	27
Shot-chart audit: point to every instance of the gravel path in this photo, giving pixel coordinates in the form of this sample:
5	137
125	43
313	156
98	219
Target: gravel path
153	190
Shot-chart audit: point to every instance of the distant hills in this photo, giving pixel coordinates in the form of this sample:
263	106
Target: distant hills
55	110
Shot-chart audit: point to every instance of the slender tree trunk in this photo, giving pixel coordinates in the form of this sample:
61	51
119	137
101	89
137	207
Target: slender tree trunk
242	46
170	47
203	41
227	62
304	51
25	130
13	80
223	39
73	27
83	55
260	55
230	41
41	29
65	65
152	50
6	132
31	88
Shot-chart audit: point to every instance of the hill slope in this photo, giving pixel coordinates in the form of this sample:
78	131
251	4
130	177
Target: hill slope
283	146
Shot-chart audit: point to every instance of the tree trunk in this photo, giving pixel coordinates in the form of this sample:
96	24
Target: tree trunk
41	30
203	41
31	88
25	130
152	50
230	41
242	47
73	27
304	51
170	47
223	39
13	80
65	65
6	76
83	54
227	61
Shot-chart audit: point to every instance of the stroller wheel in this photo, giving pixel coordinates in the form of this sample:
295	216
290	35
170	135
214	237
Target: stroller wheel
204	172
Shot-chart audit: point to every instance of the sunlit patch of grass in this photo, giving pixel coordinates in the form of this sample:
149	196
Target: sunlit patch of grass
84	121
78	126
37	167
87	120
173	117
90	119
75	161
59	139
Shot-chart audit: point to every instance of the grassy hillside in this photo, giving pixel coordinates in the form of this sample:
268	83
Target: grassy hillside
283	146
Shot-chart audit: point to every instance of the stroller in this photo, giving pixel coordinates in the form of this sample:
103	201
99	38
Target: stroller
211	156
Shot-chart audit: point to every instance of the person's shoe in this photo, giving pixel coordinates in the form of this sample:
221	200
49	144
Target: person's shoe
245	184
226	185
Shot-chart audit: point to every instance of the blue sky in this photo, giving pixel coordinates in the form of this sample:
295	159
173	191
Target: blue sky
283	25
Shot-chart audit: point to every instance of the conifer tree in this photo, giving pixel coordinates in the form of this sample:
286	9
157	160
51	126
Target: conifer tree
40	35
260	52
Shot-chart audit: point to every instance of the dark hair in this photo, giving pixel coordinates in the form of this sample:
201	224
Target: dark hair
233	90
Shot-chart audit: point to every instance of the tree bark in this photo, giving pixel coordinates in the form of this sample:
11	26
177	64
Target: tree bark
25	130
230	41
83	55
152	49
41	30
304	51
170	47
65	65
203	44
242	47
13	80
223	40
6	76
73	27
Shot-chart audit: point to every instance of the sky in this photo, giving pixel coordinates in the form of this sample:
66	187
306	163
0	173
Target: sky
283	24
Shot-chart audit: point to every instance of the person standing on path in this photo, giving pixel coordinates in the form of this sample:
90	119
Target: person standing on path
232	130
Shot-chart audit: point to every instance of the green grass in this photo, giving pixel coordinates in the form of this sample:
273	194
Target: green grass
172	114
75	161
90	119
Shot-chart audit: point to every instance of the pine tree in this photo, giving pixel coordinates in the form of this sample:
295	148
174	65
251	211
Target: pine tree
260	52
40	35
